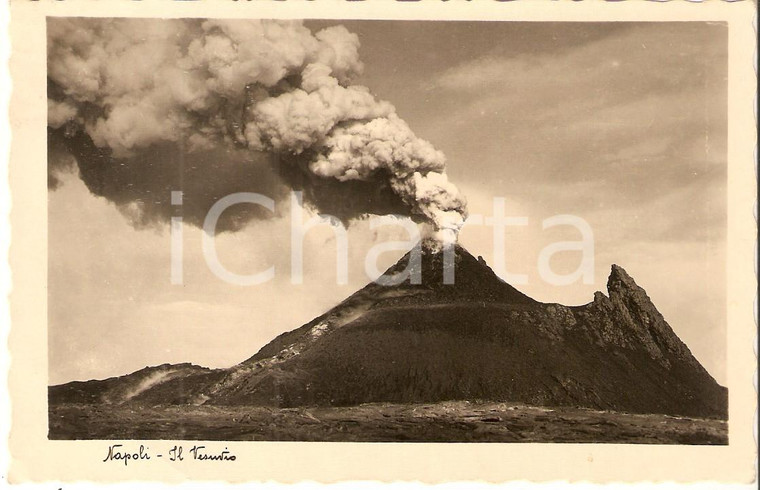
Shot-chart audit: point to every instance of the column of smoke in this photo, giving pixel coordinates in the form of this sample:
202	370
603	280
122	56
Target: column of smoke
143	107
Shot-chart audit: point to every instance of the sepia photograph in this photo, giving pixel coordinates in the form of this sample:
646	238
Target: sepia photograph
408	231
332	241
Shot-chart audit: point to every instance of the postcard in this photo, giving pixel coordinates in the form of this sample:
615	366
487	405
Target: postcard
429	241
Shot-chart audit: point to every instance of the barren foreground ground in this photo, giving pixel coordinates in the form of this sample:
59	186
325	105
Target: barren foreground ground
437	422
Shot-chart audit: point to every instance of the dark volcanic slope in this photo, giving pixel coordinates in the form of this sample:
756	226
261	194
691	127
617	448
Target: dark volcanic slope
476	339
167	383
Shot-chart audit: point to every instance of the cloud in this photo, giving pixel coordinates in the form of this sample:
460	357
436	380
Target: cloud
635	121
213	107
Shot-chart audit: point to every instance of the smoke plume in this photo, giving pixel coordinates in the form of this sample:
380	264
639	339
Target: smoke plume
144	107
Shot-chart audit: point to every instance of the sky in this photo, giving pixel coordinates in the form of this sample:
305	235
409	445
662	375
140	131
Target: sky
621	124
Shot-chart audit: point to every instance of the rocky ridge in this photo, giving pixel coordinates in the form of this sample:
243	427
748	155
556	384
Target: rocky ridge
476	339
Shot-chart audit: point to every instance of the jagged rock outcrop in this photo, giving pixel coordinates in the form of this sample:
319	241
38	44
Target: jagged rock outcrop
478	338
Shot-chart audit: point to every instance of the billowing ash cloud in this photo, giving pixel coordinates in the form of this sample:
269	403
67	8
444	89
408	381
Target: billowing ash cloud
214	107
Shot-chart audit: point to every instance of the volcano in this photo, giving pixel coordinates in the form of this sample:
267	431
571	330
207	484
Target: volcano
476	339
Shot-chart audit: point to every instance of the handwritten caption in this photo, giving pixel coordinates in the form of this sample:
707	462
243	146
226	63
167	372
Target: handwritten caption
124	455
